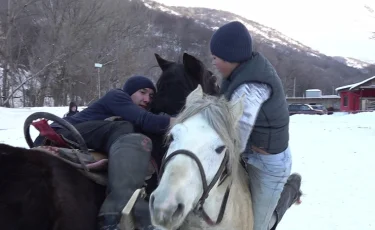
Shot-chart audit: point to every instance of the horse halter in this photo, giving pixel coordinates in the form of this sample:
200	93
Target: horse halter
220	176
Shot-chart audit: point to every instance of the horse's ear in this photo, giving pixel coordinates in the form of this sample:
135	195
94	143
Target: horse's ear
237	108
192	65
195	95
163	64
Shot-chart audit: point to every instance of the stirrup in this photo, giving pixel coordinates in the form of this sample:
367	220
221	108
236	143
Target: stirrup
127	221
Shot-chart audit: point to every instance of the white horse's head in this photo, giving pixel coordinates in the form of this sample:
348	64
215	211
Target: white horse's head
202	145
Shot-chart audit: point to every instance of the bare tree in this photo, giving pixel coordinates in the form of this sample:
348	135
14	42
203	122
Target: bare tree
12	42
55	43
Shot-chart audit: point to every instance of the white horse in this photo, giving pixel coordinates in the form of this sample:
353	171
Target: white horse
203	184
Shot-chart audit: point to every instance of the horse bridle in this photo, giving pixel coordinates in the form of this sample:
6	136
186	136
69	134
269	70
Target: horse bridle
220	176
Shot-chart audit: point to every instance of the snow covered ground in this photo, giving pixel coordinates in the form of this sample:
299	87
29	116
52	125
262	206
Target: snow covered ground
334	154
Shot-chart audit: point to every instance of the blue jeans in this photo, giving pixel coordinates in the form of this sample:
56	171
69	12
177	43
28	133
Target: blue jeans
268	175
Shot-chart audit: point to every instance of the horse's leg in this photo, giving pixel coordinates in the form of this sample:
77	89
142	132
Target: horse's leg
290	195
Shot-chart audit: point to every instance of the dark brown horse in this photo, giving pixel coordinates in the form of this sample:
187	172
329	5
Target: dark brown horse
40	191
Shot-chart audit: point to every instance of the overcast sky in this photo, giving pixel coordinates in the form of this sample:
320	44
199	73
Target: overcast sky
333	27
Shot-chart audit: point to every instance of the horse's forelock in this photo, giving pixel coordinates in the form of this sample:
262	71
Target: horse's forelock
217	113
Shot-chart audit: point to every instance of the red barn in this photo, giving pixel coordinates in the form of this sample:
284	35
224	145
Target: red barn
358	97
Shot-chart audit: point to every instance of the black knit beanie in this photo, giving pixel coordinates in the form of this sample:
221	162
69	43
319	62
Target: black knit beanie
232	43
72	104
136	83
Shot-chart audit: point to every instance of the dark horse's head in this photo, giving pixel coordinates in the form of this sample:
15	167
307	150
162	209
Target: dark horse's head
178	80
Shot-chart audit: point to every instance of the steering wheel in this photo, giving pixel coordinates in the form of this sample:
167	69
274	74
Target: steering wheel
49	116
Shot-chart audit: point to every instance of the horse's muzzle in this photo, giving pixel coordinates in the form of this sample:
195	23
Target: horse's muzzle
165	211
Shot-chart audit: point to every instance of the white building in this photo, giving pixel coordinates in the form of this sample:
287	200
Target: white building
313	93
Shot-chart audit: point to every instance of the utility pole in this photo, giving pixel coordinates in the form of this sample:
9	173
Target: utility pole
98	66
294	87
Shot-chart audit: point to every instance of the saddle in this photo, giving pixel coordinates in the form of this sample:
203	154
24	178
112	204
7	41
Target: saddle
93	165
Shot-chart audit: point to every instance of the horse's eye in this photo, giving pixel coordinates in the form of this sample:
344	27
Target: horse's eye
220	149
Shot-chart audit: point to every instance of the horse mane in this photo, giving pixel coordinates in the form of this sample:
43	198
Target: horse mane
216	111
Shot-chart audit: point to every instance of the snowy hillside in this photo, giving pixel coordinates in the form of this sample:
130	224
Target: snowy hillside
335	28
355	63
210	18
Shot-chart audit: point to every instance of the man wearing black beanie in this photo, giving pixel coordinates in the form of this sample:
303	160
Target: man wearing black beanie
128	152
264	126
